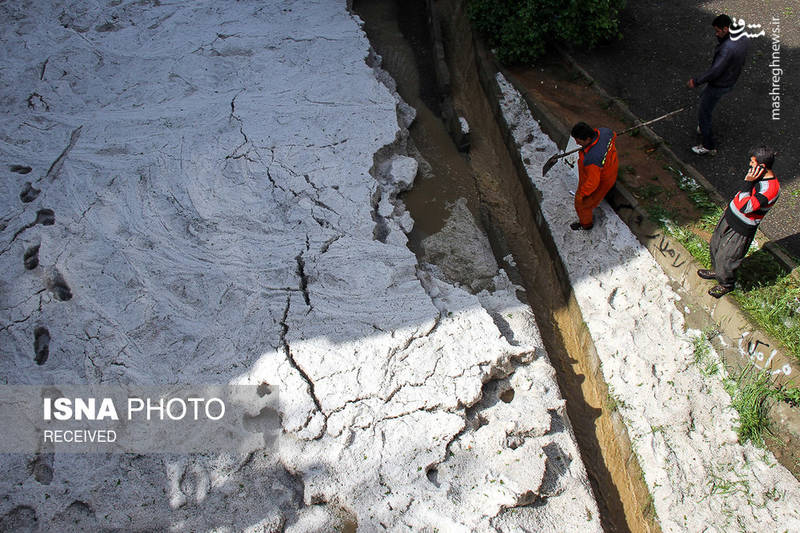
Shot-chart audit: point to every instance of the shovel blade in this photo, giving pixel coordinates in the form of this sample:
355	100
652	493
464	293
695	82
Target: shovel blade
549	164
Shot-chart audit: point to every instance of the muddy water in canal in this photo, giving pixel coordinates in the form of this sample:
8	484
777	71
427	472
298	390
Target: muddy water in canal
488	179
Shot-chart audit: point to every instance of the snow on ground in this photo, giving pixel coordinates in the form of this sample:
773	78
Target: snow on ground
680	422
192	194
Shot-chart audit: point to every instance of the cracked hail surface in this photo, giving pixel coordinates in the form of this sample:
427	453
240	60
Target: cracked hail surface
198	192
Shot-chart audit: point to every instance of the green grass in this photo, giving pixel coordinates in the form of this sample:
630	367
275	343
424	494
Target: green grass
750	396
648	192
752	393
660	213
703	202
649	509
694	245
776	308
791	395
722	485
612	403
703	358
696	193
709	220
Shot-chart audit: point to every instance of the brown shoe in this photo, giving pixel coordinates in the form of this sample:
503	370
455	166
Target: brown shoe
717	291
706	274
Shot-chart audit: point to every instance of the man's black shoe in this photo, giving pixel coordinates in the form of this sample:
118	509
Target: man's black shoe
717	291
706	274
578	225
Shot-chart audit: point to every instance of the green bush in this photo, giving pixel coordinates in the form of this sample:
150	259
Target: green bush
521	29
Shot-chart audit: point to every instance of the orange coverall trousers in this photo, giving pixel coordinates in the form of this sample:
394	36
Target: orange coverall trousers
594	182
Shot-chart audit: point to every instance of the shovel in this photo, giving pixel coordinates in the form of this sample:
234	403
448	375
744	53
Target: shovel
552	161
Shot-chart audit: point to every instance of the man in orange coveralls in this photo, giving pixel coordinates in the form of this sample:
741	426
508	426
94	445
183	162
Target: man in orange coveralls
597	170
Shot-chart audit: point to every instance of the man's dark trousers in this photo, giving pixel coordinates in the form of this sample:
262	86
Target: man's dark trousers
708	100
728	248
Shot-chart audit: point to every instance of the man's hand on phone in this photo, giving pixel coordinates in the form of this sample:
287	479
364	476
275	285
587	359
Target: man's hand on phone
756	172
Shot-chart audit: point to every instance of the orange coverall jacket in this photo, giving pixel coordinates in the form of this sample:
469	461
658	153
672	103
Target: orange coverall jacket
597	173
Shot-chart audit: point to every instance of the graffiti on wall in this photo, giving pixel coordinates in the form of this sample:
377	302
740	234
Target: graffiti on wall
666	249
758	352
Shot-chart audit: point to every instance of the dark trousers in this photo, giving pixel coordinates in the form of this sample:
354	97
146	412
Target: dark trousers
728	248
708	100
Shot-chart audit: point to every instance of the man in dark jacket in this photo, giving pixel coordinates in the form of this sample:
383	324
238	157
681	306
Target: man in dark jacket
728	60
737	227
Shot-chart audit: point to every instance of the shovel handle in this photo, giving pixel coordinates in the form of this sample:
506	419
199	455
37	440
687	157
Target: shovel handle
662	117
552	161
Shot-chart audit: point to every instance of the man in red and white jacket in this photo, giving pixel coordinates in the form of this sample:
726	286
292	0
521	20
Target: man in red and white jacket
737	227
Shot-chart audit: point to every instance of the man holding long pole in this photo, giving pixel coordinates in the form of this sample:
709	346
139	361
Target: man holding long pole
597	170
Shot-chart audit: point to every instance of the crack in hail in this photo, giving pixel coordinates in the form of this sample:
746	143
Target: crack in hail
234	116
54	169
301	265
290	358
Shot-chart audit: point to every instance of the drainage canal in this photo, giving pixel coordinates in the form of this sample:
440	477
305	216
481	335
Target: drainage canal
406	33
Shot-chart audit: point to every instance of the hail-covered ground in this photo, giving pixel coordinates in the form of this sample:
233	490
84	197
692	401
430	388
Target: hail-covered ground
202	192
